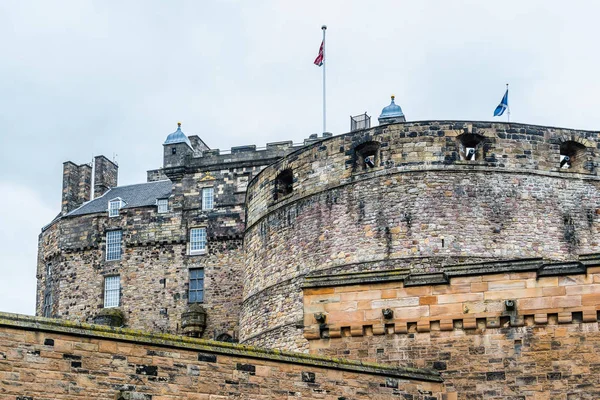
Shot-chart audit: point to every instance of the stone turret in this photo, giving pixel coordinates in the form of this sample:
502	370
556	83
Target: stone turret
391	114
176	148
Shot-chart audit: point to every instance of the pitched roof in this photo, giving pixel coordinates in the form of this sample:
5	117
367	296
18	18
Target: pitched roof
140	195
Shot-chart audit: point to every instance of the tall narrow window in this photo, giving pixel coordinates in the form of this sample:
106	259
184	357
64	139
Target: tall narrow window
113	207
112	291
113	245
207	198
196	294
48	303
47	309
163	205
197	240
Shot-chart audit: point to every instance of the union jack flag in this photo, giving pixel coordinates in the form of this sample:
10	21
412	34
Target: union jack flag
320	58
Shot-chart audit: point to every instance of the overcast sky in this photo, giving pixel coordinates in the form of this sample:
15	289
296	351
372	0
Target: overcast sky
82	78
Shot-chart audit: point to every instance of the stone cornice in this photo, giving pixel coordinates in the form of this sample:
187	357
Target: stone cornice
443	274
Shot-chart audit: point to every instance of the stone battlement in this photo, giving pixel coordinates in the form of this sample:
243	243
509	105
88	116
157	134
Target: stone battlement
472	296
428	146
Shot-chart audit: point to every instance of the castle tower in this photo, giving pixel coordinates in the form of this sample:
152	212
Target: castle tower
391	114
176	148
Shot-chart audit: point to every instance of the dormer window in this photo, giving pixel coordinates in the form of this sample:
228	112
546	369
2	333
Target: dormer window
114	206
162	205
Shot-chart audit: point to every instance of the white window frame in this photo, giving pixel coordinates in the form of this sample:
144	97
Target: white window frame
162	206
197	241
208	198
114	206
196	285
114	245
112	291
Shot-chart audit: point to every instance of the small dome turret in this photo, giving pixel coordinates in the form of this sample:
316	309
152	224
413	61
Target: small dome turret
178	137
391	114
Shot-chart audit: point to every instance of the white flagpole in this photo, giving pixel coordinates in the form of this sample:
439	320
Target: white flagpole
507	104
324	28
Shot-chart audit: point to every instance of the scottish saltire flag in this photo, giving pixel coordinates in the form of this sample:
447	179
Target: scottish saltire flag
502	106
320	57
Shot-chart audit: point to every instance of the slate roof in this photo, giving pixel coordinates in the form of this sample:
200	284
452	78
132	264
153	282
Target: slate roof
140	195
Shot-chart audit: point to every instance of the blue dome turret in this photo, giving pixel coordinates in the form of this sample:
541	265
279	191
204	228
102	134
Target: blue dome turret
391	114
178	137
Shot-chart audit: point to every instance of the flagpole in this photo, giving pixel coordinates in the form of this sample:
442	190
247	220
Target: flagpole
507	104
324	28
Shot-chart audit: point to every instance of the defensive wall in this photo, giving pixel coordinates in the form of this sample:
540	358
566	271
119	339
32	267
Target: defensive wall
43	359
424	203
518	329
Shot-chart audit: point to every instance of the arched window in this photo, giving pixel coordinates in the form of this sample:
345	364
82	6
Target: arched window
225	337
284	184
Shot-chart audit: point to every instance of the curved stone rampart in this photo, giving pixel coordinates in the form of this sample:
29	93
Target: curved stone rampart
422	199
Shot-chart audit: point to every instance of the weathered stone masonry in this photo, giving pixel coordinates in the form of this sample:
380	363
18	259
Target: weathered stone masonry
513	329
155	262
467	247
422	206
41	359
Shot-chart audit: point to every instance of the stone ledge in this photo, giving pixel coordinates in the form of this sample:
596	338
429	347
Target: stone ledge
443	276
30	323
452	322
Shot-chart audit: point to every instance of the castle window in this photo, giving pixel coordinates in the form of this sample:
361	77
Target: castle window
196	291
113	207
112	291
173	150
469	146
163	205
366	156
113	245
197	240
208	198
572	155
284	184
225	337
47	310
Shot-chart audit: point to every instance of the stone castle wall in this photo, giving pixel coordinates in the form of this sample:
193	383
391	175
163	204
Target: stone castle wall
42	359
155	260
155	263
421	207
543	346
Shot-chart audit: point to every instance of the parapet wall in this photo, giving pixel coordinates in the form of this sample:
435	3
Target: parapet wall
426	145
528	331
50	359
420	207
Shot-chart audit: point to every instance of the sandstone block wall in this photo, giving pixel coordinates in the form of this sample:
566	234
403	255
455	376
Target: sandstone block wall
421	207
546	347
42	359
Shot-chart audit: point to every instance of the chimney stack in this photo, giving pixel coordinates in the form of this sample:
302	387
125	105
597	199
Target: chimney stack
105	175
77	185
